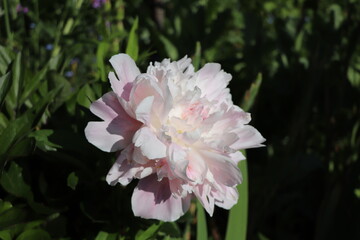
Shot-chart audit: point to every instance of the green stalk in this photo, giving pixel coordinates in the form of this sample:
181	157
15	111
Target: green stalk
201	228
238	216
7	21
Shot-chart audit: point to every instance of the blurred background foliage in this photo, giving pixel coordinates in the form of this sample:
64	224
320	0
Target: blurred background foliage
54	61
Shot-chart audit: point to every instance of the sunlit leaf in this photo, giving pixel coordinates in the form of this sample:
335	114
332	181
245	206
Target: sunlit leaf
148	233
103	47
251	94
201	228
132	47
42	141
238	216
170	49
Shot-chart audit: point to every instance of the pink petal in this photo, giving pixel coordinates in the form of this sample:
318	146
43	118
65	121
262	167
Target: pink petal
202	192
97	133
116	131
153	200
120	169
121	88
144	86
108	107
227	198
249	137
125	67
212	80
236	157
124	170
143	110
150	146
178	160
197	168
138	156
224	170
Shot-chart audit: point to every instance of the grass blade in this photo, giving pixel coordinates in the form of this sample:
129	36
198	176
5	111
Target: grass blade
201	228
237	222
132	47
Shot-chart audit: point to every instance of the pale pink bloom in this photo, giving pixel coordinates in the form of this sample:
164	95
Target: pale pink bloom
179	133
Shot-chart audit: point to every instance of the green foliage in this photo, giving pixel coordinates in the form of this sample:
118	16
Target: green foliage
238	216
201	228
54	62
132	47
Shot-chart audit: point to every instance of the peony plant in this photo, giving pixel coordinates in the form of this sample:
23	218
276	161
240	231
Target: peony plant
177	131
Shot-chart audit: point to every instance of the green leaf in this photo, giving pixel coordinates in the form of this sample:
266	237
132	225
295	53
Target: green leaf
5	59
34	234
4	86
132	47
102	236
201	228
170	49
42	141
3	122
11	217
15	130
262	237
4	205
22	148
353	74
33	83
197	56
102	49
72	181
338	16
5	235
85	96
12	182
251	94
148	233
237	222
170	229
17	80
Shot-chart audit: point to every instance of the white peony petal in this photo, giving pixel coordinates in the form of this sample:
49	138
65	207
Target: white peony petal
202	192
153	200
212	80
227	198
107	107
125	67
223	169
248	137
178	160
143	110
98	134
150	146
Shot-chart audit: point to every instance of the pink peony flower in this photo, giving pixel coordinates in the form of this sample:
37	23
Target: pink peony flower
179	133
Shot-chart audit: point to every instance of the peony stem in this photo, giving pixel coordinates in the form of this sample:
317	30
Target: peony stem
237	222
201	228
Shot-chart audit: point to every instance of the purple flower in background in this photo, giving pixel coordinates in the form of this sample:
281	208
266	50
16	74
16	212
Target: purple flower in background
21	9
18	8
98	3
69	74
49	47
25	9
